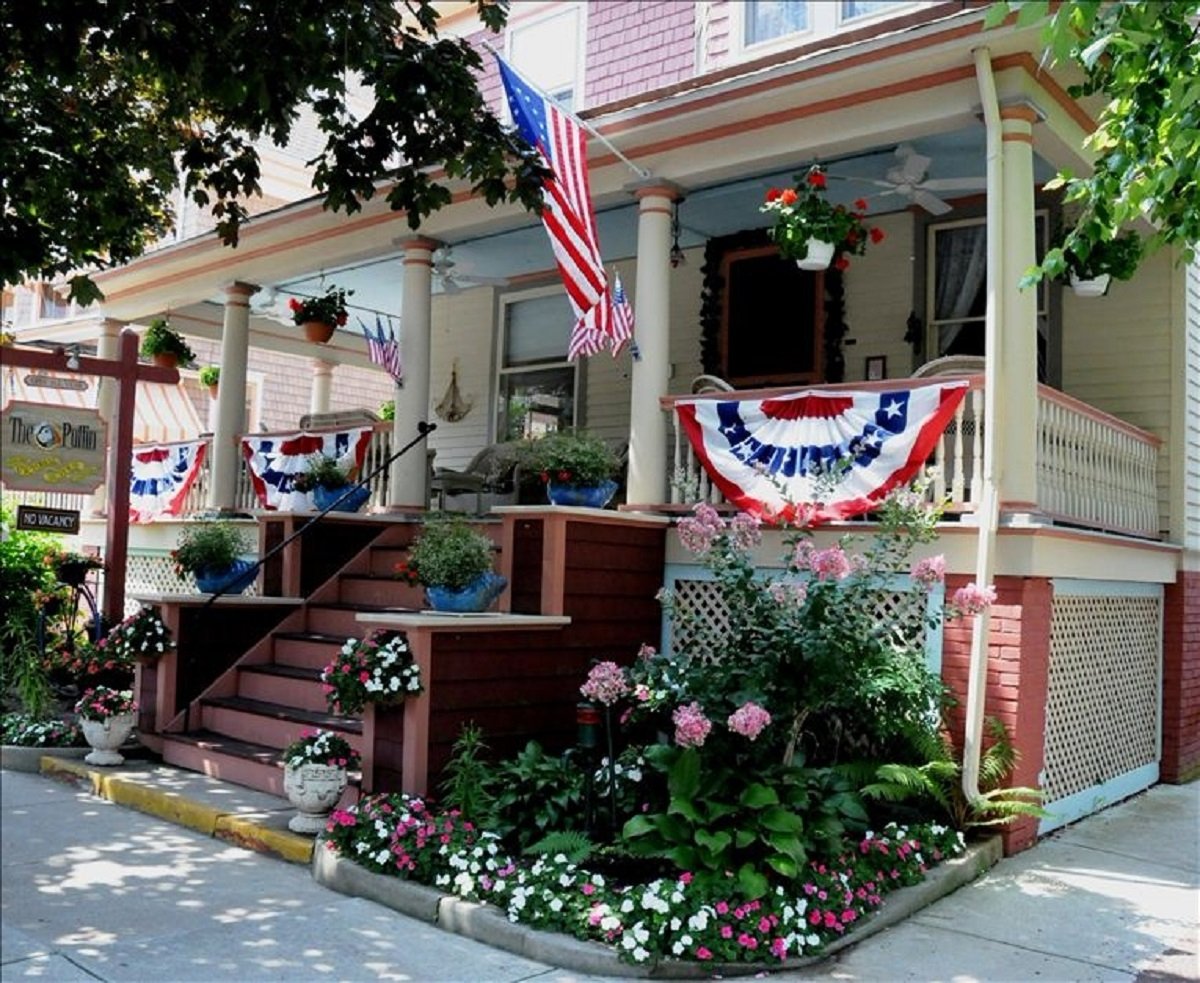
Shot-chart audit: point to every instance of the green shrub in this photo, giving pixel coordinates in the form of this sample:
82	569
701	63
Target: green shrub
448	553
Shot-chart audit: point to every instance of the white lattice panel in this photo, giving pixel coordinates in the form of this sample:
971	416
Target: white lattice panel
155	574
1102	704
699	603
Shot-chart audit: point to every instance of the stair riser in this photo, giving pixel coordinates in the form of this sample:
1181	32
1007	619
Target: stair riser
256	729
303	693
391	593
383	561
304	655
336	621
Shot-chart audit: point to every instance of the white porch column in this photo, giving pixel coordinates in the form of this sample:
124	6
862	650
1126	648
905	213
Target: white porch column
108	346
647	480
1016	400
231	396
408	486
321	387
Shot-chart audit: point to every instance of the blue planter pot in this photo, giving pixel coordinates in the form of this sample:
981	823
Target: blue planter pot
476	596
354	501
230	580
593	496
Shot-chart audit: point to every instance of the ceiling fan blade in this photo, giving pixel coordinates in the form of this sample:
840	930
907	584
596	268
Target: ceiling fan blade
498	281
912	164
955	184
450	285
876	182
930	202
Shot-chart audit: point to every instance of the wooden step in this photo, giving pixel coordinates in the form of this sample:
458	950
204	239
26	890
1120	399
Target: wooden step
378	591
383	560
294	686
304	649
272	724
338	618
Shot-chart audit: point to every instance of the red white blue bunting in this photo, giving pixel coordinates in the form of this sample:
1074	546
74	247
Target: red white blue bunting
767	455
275	460
161	477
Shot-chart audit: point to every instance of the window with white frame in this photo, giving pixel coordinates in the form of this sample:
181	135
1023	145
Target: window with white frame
765	24
957	286
538	387
548	49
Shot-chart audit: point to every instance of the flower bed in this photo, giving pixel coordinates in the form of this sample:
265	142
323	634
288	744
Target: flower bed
667	918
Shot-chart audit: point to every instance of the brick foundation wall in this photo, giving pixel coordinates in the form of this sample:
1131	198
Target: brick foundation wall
1181	679
1017	676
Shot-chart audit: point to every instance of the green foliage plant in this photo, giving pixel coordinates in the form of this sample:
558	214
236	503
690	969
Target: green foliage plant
159	339
136	99
939	780
1142	58
210	375
208	545
324	471
26	582
27	730
569	457
535	794
448	552
387	410
329	308
465	780
1117	257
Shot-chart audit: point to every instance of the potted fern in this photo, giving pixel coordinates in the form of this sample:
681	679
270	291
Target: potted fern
210	376
166	347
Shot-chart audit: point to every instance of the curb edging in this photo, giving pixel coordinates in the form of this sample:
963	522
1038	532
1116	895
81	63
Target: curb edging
489	925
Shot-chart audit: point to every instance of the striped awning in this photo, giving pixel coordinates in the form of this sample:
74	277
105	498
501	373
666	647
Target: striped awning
161	413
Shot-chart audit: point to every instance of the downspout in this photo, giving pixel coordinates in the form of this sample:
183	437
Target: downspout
988	515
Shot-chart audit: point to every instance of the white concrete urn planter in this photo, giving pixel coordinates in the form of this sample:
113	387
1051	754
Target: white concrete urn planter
820	255
314	790
105	736
1096	287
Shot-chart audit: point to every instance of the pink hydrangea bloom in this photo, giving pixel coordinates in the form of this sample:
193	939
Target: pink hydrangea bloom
972	599
748	720
605	683
691	726
930	571
830	564
697	532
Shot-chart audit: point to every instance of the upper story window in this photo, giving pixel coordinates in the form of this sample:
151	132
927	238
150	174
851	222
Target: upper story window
763	25
548	49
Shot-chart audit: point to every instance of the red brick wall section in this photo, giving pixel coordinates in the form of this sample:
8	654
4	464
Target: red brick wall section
1017	675
1181	679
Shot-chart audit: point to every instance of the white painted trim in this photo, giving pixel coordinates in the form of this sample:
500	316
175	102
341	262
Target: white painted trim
824	21
546	12
1090	800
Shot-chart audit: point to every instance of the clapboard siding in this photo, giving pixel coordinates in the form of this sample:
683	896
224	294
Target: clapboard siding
463	329
1117	356
1191	412
879	298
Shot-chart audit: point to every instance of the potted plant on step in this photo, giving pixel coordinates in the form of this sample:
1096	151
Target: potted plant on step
328	479
576	467
212	553
375	669
166	347
319	316
314	777
106	717
454	563
210	375
811	230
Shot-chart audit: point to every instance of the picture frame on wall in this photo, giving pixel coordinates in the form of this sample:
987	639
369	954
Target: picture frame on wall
876	368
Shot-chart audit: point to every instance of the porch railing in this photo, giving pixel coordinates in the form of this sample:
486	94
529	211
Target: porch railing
1093	469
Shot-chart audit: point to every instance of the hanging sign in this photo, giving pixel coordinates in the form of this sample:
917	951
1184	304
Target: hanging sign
52	448
35	518
55	382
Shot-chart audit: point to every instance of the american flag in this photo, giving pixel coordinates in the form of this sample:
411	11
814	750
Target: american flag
567	210
384	350
622	315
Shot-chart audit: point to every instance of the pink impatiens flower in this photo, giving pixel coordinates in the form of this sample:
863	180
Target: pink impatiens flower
691	726
748	720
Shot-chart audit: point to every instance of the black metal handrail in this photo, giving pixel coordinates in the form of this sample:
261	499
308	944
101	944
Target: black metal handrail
424	429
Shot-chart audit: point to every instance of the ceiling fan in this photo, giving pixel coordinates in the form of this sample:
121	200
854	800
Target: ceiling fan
450	280
907	179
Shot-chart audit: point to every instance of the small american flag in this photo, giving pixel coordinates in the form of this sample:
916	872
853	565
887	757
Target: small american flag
384	350
567	210
622	315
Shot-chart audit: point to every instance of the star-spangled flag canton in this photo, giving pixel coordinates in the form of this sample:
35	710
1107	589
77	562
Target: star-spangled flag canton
384	350
567	210
274	461
160	478
771	457
622	315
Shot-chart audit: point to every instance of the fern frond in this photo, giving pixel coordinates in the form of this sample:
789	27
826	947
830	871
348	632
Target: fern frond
573	843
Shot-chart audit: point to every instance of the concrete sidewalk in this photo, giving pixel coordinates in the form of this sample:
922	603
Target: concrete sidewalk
92	891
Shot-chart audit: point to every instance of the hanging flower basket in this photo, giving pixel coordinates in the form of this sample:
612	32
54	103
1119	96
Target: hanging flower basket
319	316
317	332
811	230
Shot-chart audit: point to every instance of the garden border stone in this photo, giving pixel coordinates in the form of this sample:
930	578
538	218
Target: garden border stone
489	925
